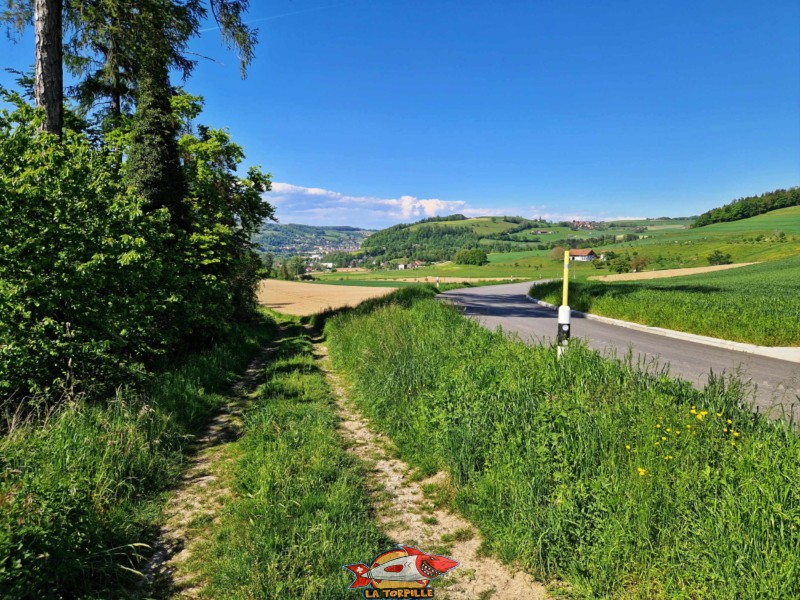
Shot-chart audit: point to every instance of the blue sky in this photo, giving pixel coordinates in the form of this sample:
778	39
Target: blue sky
374	112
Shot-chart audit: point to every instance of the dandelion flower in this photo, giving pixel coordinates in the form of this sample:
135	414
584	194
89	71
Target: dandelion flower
668	430
729	422
663	439
725	430
719	414
693	411
627	447
688	427
658	425
735	434
642	472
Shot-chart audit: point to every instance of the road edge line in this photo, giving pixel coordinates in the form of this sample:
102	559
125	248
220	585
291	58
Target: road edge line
788	354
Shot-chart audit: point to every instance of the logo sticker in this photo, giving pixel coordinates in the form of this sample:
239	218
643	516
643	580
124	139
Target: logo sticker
403	572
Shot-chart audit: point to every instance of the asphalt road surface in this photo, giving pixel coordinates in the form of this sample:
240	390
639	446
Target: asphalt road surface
776	382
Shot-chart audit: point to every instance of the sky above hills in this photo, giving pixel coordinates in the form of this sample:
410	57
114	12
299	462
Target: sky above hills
373	112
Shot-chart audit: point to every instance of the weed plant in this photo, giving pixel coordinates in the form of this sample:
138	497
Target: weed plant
624	481
80	494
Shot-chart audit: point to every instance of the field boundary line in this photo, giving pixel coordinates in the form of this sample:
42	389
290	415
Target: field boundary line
788	354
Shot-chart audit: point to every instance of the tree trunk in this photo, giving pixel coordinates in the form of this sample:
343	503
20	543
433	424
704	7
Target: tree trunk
49	84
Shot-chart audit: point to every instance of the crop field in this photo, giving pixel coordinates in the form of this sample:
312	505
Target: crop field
623	483
302	299
759	303
666	273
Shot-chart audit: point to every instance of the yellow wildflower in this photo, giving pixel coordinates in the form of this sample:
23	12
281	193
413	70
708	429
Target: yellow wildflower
688	427
658	424
693	411
719	414
663	439
725	430
729	422
627	447
701	415
668	430
735	434
642	472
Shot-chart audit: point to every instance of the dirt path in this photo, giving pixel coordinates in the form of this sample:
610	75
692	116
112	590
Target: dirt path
666	273
410	516
202	493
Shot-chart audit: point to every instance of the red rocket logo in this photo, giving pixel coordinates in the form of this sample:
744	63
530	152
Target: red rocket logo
403	572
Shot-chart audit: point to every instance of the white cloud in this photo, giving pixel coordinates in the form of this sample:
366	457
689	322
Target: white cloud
318	206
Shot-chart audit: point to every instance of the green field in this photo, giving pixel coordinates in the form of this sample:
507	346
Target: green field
748	240
624	484
759	304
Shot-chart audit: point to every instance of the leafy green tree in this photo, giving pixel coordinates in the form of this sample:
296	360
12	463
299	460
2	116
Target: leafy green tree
557	253
638	263
268	262
297	266
475	256
719	258
84	289
620	265
107	39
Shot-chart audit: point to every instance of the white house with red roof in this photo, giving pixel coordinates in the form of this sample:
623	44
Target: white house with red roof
582	254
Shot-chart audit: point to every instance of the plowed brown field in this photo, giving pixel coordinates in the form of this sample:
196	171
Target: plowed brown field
302	299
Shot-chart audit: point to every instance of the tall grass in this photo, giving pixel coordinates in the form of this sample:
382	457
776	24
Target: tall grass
759	304
300	510
80	494
627	483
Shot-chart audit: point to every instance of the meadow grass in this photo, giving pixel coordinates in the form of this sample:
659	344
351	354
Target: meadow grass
623	481
759	304
300	510
81	493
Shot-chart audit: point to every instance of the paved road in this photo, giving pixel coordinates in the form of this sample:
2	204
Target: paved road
777	381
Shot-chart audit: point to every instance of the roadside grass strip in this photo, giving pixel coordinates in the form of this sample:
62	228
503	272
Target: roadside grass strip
758	304
621	480
82	492
299	509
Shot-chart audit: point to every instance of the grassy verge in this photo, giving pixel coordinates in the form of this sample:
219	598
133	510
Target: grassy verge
300	510
80	494
759	304
626	483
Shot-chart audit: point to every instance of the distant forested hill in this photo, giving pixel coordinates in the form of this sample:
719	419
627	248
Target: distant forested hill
744	208
439	238
291	239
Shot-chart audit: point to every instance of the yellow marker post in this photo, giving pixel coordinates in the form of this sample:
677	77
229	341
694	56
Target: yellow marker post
564	312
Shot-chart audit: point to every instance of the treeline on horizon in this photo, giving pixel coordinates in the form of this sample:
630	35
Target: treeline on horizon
751	206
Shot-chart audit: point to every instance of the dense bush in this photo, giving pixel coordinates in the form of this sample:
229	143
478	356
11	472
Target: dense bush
97	285
476	256
626	483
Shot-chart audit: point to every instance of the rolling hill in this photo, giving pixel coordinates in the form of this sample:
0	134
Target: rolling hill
292	239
